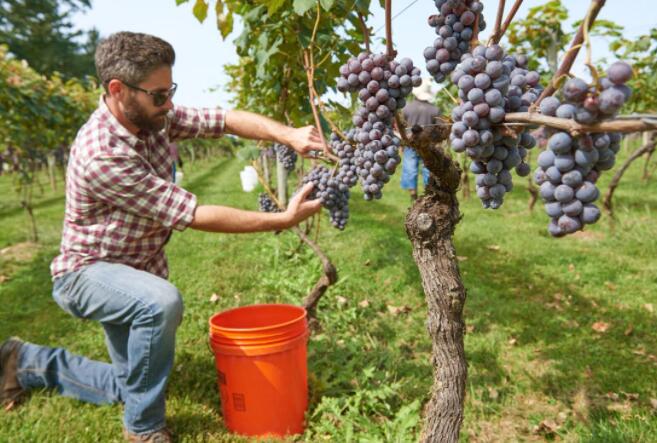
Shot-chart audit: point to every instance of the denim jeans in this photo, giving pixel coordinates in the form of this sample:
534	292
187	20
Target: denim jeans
140	313
410	163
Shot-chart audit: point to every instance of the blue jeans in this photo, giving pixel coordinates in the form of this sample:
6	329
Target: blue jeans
140	313
410	163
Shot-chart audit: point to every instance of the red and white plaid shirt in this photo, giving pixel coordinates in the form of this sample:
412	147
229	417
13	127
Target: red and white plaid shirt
121	202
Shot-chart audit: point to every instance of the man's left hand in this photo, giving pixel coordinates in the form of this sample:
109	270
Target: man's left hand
304	140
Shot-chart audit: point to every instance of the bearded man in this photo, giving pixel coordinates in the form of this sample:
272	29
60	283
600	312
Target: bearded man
121	209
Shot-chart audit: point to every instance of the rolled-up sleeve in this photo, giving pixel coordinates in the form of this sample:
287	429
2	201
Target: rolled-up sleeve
124	182
187	122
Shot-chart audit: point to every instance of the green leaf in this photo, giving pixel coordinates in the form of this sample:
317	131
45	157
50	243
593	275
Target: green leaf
180	2
302	6
225	24
274	5
327	4
200	10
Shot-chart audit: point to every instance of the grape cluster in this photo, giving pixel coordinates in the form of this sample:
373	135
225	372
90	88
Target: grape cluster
491	84
266	204
286	155
327	189
382	86
454	25
568	170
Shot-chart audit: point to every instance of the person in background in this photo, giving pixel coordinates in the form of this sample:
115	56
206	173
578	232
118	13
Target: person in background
121	209
418	112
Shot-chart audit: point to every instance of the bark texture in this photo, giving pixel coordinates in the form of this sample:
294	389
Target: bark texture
430	226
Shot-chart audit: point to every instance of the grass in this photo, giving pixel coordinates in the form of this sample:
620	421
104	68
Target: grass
538	369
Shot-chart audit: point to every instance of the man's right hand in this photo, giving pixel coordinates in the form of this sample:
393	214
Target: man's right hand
299	209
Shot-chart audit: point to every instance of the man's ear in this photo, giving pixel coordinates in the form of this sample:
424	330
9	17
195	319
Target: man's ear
115	88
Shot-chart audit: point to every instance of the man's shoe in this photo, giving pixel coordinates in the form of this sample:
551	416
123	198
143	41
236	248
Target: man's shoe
161	436
10	390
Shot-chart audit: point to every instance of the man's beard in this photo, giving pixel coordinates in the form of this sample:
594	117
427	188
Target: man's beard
140	118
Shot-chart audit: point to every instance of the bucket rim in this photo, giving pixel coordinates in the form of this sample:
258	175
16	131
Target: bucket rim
302	310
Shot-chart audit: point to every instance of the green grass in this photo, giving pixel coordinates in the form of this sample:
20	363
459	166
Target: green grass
535	363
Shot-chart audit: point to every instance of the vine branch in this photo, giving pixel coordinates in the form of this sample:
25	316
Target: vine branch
571	54
366	32
498	22
508	20
390	51
616	125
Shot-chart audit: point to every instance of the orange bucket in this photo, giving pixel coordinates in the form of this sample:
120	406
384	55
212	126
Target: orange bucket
260	356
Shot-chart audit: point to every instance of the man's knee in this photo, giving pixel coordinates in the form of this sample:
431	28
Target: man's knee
168	305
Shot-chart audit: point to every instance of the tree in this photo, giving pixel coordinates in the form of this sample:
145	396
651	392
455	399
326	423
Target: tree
40	32
431	222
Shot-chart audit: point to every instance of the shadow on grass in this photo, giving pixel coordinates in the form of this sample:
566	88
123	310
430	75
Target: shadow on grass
554	316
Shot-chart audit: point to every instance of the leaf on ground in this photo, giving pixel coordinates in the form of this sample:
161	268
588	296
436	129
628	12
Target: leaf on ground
513	341
649	307
600	326
493	394
653	403
612	287
546	427
629	330
214	298
493	247
367	262
396	310
3	278
341	300
461	258
364	304
469	329
571	267
619	407
632	396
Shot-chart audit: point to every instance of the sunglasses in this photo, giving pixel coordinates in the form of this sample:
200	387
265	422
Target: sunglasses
159	97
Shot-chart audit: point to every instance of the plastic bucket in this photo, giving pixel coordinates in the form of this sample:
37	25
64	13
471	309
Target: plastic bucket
260	357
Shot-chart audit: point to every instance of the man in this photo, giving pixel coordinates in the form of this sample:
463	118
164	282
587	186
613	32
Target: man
121	208
418	112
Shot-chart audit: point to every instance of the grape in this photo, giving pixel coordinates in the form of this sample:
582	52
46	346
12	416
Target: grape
569	169
266	204
454	26
286	155
619	73
486	96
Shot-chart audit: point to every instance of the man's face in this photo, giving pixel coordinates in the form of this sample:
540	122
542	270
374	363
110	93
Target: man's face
138	106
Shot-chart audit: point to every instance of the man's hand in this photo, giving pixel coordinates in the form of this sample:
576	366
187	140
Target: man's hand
299	209
304	140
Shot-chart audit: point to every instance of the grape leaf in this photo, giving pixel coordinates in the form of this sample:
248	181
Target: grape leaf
302	6
180	2
200	10
327	4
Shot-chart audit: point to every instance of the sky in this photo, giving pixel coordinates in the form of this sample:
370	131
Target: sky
201	53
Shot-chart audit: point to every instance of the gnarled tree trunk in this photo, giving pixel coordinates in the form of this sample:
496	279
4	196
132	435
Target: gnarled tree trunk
430	226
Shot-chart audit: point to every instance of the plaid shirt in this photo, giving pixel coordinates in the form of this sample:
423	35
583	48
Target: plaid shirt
121	203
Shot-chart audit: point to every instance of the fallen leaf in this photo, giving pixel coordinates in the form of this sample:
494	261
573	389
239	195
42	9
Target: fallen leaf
513	341
571	267
214	298
648	307
396	310
493	394
619	407
461	258
3	278
364	304
469	329
630	395
341	300
367	262
547	427
600	326
612	396
493	247
610	285
562	417
653	403
629	330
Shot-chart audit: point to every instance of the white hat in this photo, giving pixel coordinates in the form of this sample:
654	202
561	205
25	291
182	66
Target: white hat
424	91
